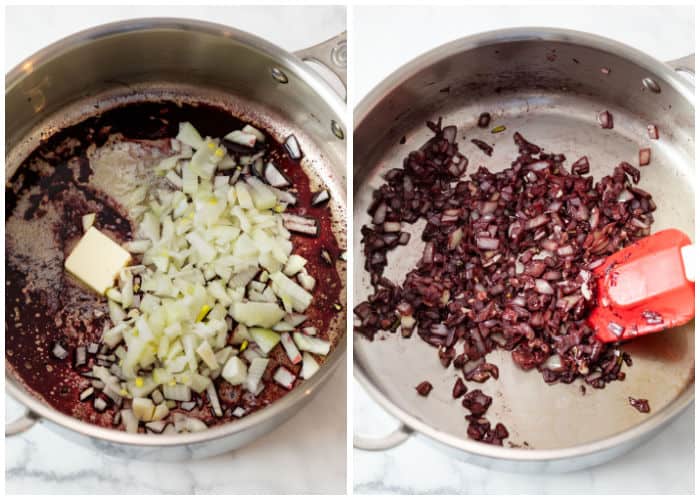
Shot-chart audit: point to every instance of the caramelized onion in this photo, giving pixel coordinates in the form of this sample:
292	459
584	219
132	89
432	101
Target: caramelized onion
506	262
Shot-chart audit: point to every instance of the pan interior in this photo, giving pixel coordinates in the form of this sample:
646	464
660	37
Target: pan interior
119	166
561	118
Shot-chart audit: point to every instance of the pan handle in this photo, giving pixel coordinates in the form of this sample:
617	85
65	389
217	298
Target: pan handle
333	54
21	424
685	65
383	443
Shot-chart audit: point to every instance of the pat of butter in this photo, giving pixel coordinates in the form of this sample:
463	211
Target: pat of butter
96	260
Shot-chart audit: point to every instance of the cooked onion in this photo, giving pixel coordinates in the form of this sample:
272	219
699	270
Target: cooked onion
505	264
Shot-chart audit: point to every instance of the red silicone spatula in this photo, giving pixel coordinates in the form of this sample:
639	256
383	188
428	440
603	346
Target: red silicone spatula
646	287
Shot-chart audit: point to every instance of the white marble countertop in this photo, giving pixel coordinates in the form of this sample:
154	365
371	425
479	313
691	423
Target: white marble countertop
662	465
300	456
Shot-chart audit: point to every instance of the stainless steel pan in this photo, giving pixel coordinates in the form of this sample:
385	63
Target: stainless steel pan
146	59
548	85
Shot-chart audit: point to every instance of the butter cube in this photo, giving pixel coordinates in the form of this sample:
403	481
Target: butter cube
96	260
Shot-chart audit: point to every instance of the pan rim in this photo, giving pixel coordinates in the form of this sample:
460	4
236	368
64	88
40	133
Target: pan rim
487	38
301	394
493	37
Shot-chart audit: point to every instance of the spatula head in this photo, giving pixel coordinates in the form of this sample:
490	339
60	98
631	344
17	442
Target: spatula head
643	289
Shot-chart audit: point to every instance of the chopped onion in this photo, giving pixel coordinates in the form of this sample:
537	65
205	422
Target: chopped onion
314	345
544	287
284	377
320	198
100	405
605	119
652	131
158	426
59	351
80	356
309	366
292	146
188	405
194	425
265	338
177	392
214	400
216	252
290	348
644	156
255	372
624	196
392	227
484	120
87	393
538	165
274	177
310	330
554	363
242	138
487	243
299	224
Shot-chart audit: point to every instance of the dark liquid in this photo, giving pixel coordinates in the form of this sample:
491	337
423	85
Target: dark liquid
52	189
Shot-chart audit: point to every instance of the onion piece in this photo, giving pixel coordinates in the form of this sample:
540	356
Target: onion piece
87	394
299	224
543	287
265	338
392	227
214	400
484	120
624	196
581	166
157	426
553	363
449	133
310	330
487	243
605	119
313	345
652	131
274	176
188	405
241	138
539	165
320	198
284	377
100	405
644	157
59	352
309	366
292	146
80	358
379	214
177	392
290	348
537	221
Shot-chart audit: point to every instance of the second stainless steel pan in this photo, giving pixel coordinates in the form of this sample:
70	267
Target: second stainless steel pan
548	85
